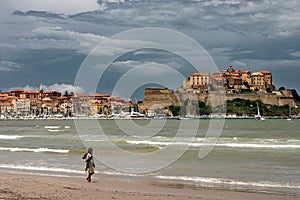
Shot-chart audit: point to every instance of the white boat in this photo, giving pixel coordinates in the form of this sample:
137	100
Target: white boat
136	115
100	116
58	115
258	116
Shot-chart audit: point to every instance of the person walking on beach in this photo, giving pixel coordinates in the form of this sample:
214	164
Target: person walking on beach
90	164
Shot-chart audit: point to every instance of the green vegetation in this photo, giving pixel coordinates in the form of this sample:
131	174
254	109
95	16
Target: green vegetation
246	107
175	110
241	107
204	109
246	91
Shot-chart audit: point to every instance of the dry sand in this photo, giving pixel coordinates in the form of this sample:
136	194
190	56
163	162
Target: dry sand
15	186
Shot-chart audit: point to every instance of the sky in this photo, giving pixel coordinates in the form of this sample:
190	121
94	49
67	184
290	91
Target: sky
48	41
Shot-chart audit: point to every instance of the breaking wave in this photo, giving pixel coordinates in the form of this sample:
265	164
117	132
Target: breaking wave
37	150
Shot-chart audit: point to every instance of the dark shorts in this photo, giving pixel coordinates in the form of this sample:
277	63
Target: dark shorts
91	170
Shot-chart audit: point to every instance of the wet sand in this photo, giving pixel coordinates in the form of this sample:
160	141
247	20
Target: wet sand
15	186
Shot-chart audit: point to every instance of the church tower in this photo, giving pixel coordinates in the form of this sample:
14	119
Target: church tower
41	92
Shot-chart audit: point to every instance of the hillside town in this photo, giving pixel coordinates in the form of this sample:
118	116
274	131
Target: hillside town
237	84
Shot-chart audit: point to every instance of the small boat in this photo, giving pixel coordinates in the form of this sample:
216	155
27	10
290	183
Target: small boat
136	115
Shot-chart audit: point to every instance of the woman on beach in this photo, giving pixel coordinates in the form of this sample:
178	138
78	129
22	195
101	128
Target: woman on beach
90	165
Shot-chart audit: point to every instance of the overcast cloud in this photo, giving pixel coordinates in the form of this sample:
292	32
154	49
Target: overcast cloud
55	36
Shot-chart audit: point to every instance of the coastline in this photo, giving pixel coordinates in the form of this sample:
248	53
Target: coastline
23	186
144	118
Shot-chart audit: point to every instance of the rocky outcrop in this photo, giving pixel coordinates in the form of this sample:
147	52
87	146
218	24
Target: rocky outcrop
159	98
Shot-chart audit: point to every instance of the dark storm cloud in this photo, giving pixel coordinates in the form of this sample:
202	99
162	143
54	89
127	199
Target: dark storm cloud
42	14
255	34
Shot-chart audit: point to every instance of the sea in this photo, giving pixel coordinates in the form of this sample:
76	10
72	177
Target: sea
247	155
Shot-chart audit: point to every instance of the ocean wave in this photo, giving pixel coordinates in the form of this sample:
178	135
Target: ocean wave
261	146
206	143
10	137
218	181
50	170
38	150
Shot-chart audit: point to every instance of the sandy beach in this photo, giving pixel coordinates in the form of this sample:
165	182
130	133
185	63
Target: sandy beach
20	186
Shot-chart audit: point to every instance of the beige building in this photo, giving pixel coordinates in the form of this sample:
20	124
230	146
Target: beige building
198	82
234	84
262	81
100	104
197	79
258	81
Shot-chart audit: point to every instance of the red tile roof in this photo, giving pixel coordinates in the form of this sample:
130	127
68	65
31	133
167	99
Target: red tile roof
81	95
29	92
265	72
17	91
196	74
100	95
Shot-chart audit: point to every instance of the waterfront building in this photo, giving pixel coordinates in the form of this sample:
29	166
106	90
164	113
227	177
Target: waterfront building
80	105
100	104
23	107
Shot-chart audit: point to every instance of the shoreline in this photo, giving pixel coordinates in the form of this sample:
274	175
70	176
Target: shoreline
90	118
28	186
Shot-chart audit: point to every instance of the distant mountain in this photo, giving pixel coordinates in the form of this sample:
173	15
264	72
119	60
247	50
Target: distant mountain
42	14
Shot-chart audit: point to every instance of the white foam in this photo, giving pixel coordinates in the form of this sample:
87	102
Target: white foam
205	143
51	127
53	130
38	150
10	137
261	146
49	169
94	140
149	142
212	181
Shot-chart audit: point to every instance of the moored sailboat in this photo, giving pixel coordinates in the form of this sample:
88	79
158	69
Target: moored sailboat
290	114
258	116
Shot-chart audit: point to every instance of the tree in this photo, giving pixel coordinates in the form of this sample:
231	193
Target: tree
203	108
175	110
269	90
295	95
